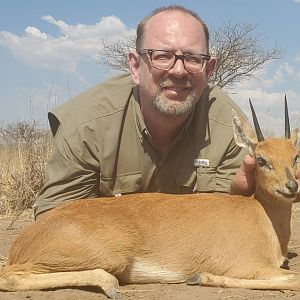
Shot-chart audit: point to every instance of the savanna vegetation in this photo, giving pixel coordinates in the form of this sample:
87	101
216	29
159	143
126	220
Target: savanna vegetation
24	150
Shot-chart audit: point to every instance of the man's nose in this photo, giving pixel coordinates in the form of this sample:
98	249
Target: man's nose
178	69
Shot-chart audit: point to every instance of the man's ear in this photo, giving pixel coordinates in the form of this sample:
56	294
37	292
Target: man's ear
134	66
210	67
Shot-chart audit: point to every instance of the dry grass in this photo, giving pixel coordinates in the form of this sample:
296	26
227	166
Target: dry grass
24	151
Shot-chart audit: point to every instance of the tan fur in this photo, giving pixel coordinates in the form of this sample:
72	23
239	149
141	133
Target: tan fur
231	241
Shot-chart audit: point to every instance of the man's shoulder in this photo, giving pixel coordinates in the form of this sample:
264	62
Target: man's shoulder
106	98
221	106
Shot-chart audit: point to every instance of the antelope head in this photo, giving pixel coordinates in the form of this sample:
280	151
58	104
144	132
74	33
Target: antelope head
276	158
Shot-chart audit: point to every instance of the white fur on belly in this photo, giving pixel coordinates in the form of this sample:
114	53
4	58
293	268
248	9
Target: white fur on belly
146	272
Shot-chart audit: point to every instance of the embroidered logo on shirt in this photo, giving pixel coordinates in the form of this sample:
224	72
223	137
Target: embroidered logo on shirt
201	162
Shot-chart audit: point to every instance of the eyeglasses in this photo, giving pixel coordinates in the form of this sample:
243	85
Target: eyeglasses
165	60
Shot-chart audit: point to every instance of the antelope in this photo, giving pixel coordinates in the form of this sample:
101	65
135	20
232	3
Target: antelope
206	239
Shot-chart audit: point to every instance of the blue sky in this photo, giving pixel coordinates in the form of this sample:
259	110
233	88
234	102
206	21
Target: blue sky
49	50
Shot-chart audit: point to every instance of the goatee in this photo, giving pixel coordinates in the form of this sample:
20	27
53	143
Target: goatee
172	107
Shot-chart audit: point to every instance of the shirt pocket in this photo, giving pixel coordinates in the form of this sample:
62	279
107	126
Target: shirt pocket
206	179
124	184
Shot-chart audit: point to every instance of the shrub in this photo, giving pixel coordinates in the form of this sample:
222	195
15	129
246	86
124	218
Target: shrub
24	150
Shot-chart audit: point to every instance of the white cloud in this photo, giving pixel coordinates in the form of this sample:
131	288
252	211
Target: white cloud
35	32
268	104
74	43
298	1
283	70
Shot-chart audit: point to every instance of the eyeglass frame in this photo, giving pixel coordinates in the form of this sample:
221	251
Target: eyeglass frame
177	56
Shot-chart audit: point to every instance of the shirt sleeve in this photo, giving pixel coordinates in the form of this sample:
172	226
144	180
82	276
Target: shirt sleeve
72	172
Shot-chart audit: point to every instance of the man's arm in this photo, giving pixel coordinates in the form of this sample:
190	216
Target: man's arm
72	173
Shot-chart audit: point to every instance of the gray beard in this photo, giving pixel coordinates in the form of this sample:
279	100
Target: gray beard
170	108
165	106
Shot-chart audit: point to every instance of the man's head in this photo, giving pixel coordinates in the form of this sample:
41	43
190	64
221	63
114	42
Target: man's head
171	80
176	8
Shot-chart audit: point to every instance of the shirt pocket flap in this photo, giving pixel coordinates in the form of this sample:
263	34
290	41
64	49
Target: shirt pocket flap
128	183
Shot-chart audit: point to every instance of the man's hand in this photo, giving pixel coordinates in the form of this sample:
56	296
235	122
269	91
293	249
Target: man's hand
243	183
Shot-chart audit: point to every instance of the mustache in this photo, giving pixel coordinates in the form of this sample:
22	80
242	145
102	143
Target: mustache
183	83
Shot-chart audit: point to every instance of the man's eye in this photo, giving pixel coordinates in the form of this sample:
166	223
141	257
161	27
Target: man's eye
162	57
193	59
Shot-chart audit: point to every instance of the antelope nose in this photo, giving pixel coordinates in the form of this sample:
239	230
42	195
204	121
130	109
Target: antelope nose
292	185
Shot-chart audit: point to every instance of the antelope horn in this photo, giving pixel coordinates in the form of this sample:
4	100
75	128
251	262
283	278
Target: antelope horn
259	134
287	120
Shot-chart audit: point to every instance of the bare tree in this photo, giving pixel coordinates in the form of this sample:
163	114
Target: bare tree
240	53
238	48
114	55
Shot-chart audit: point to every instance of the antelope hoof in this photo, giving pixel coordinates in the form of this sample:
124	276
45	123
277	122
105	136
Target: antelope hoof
113	293
195	280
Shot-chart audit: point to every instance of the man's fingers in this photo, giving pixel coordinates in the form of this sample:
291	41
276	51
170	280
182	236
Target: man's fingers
249	164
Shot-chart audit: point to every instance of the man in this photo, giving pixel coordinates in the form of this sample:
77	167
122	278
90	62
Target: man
162	129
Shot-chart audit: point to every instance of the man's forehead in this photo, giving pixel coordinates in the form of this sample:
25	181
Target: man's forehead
172	21
168	17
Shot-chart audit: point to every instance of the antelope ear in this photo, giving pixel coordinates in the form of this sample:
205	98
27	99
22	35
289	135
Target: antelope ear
295	136
244	135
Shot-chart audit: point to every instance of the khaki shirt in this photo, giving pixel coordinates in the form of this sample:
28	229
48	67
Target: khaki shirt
102	147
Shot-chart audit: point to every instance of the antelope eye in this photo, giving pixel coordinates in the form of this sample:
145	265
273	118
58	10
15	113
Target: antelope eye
261	161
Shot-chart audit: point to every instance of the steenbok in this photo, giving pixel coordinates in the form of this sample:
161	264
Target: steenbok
206	239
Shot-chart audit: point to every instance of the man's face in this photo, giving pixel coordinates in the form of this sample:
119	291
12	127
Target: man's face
176	91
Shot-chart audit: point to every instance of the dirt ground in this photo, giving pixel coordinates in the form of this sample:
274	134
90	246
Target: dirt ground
151	291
